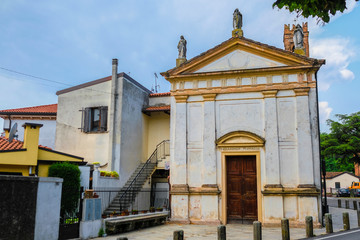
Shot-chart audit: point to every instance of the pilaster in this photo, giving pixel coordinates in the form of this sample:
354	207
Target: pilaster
209	153
272	160
304	141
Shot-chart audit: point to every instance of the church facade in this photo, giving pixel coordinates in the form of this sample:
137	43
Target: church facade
244	134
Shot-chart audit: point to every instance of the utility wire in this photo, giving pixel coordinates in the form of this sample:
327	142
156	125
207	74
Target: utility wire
48	80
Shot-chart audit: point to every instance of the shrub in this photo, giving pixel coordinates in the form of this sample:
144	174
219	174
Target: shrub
71	185
101	232
114	174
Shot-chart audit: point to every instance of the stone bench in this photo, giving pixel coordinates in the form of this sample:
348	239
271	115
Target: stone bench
133	222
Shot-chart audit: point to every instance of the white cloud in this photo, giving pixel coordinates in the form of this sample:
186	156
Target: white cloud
338	53
324	111
347	74
350	5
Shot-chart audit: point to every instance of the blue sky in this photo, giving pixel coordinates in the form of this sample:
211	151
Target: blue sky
72	42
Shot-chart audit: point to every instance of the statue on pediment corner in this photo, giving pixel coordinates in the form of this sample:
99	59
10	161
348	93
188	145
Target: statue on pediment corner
298	37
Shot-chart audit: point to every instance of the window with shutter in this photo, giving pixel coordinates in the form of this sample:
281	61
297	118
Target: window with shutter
95	119
103	118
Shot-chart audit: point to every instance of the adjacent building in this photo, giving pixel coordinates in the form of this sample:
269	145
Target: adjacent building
44	114
27	157
114	121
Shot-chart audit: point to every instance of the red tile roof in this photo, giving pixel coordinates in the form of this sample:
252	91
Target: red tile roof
50	109
165	94
14	145
6	146
157	109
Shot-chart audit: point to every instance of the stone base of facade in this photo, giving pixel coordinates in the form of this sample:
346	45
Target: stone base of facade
292	224
179	221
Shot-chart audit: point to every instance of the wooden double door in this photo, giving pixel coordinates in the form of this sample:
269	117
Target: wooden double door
241	189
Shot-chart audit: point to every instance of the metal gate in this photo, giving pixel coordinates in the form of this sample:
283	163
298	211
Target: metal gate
70	223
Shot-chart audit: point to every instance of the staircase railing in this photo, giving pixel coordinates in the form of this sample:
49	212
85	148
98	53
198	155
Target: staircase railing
162	150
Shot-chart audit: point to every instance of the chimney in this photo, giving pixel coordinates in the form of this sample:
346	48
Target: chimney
31	140
288	38
7	132
114	68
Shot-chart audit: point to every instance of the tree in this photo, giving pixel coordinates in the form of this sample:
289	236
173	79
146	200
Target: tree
343	141
314	8
71	185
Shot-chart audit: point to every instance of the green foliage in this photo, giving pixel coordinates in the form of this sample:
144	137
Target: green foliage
314	8
71	184
334	165
101	232
341	147
114	174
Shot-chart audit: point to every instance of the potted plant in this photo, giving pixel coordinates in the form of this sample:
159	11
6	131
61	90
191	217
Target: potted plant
107	174
95	195
114	174
152	209
144	211
159	209
102	173
113	214
135	211
126	212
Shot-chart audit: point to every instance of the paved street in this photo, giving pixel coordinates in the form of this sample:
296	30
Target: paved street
348	235
234	231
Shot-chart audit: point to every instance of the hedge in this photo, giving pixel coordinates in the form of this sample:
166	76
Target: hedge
71	186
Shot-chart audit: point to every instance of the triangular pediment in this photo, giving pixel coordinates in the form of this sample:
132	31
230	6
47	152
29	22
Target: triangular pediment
239	59
239	53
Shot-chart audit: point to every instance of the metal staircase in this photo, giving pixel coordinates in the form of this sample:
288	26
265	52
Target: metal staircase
133	186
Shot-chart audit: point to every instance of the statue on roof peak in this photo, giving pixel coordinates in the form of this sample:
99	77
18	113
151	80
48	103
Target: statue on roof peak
182	47
237	19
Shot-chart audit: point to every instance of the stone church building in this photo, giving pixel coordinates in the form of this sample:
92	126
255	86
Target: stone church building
242	120
244	134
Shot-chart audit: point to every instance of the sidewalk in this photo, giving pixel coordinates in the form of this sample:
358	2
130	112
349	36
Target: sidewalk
233	231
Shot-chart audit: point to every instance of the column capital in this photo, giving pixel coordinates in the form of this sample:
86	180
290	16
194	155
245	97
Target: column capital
209	97
304	91
269	93
181	98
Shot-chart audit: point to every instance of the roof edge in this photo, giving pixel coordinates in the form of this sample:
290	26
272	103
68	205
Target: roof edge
101	80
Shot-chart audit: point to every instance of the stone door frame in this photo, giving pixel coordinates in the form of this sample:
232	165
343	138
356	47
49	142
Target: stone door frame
248	144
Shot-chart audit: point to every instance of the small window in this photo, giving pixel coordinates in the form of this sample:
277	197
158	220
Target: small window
95	119
337	184
356	184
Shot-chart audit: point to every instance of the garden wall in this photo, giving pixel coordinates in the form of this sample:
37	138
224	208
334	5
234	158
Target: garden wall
30	207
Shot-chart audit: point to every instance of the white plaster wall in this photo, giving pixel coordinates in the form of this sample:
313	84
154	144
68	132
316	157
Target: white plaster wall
93	147
158	101
47	131
48	209
133	125
104	183
239	115
344	179
85	176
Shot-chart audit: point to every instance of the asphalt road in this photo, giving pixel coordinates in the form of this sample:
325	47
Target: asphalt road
353	234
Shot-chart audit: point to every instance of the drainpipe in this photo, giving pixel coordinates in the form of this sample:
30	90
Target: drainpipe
113	112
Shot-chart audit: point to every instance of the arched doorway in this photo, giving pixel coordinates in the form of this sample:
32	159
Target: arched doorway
241	177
